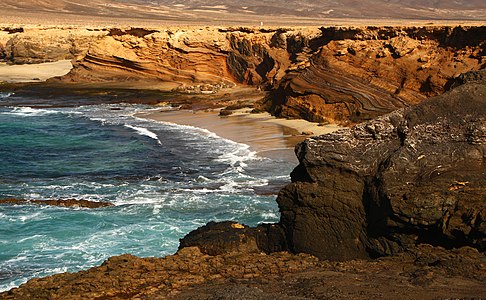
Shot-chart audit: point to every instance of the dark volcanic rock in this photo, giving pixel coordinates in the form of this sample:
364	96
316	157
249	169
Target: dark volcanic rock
415	175
216	238
62	203
219	238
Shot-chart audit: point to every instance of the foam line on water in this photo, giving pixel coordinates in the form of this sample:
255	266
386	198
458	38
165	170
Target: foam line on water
240	153
5	95
26	111
145	132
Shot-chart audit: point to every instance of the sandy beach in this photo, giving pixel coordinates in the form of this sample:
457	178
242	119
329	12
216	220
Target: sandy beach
267	135
34	72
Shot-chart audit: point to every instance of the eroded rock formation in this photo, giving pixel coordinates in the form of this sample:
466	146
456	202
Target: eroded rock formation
331	74
357	74
30	46
414	175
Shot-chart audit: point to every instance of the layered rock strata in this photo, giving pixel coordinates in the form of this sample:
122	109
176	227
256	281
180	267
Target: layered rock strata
331	74
356	74
416	175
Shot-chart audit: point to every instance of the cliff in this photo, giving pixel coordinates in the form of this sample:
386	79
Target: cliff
416	175
341	75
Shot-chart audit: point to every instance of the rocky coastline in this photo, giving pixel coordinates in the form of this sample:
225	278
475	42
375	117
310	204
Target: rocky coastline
393	207
342	75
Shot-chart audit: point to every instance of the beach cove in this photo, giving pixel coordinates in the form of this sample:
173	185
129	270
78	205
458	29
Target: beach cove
172	128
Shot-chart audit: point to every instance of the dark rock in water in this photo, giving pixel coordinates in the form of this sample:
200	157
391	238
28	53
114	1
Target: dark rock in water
216	238
225	112
417	175
62	203
219	238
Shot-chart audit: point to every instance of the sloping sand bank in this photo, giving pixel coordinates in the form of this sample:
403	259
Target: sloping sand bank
34	72
268	136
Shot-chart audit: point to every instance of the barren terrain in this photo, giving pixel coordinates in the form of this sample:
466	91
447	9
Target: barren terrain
227	12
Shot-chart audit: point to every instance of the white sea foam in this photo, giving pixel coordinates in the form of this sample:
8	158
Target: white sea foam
145	132
37	216
150	215
33	237
5	95
26	111
11	285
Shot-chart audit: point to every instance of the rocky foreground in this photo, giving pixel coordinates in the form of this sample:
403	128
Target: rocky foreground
421	273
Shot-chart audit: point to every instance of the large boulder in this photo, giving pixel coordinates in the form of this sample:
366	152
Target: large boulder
416	175
216	238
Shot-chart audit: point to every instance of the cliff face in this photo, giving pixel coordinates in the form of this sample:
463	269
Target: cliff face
342	75
358	74
416	175
187	57
30	46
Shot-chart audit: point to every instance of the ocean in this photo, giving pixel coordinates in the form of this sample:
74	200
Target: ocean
164	179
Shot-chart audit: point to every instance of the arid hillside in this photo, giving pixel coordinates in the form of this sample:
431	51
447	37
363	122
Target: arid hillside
233	12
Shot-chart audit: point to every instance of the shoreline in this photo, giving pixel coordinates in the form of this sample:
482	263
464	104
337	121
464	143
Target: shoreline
266	135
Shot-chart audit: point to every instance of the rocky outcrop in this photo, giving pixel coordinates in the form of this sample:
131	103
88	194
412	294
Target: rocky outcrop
356	74
30	45
217	238
189	57
131	277
340	75
417	175
424	272
62	203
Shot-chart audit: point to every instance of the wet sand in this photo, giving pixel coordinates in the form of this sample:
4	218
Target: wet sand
266	135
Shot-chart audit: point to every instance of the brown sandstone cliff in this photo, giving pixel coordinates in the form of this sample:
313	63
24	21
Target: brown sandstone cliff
331	74
356	74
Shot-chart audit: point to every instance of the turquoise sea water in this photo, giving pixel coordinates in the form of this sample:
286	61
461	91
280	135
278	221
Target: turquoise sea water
164	179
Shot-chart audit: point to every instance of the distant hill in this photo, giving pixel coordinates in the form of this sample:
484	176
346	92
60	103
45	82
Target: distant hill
258	9
344	8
